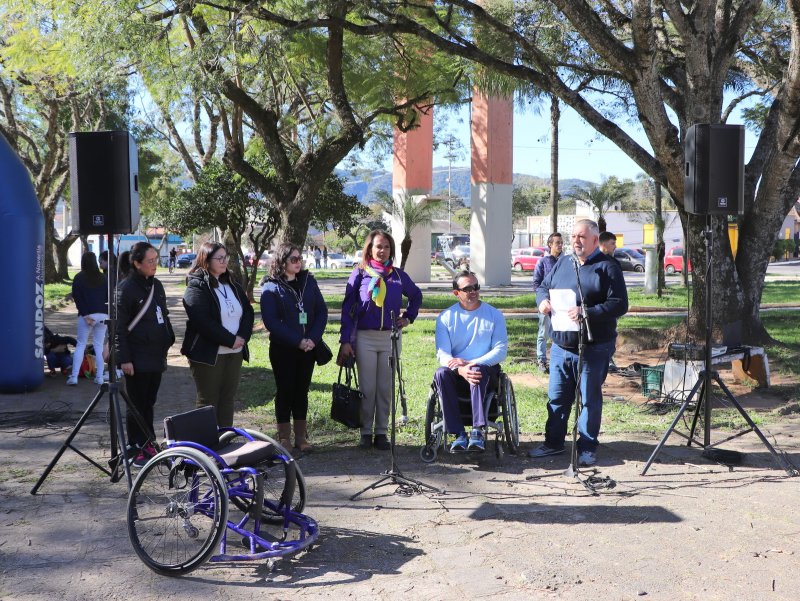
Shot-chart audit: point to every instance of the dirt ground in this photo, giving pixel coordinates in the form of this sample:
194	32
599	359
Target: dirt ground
520	529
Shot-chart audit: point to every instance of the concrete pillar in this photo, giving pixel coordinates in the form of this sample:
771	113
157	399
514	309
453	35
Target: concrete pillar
412	173
492	172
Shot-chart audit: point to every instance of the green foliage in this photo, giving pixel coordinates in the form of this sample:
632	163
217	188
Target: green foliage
782	249
335	209
528	200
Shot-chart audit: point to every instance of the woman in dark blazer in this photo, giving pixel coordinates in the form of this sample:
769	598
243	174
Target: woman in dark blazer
143	337
295	314
219	327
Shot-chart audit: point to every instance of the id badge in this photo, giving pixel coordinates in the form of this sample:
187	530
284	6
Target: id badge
159	316
303	318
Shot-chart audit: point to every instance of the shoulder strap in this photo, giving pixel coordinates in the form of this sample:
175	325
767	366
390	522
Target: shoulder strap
135	321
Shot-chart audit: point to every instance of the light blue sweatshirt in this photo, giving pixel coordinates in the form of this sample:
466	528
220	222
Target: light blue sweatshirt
477	336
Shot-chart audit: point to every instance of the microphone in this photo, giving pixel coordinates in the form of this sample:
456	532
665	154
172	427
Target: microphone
577	265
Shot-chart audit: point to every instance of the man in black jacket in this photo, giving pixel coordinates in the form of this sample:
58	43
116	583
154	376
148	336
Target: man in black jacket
605	301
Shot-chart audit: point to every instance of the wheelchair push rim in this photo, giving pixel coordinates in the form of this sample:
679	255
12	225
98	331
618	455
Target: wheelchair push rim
177	511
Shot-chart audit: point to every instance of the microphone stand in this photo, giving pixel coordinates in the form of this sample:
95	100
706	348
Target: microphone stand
573	471
406	485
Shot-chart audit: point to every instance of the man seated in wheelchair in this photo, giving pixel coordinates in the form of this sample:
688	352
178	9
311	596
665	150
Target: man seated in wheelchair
471	342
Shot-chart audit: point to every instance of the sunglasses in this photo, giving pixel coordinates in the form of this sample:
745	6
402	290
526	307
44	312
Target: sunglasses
469	289
294	259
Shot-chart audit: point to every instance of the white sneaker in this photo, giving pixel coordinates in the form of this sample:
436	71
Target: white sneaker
100	381
72	381
587	459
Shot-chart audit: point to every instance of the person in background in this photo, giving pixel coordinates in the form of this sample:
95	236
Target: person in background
295	314
471	342
373	295
107	261
90	293
219	327
173	259
608	243
56	351
317	257
605	298
555	245
325	256
143	337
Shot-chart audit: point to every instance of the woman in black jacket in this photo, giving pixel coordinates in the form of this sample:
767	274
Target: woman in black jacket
220	324
143	337
295	314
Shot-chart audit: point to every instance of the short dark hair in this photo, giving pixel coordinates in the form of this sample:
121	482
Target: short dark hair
553	235
606	236
465	273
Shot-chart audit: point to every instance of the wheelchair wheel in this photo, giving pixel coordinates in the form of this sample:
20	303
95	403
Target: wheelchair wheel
433	440
508	404
177	511
275	482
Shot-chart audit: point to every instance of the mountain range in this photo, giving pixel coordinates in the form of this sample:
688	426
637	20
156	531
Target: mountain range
364	184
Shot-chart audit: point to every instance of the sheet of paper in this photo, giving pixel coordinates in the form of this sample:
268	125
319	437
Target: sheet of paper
561	301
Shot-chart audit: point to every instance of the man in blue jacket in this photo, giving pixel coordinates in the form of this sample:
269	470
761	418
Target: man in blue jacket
556	244
605	301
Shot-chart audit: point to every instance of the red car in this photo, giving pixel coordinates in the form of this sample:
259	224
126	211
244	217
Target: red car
525	259
673	260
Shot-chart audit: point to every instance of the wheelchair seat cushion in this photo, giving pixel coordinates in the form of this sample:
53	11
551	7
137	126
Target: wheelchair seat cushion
247	454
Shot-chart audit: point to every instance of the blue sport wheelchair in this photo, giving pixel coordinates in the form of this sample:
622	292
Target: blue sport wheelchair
217	494
500	407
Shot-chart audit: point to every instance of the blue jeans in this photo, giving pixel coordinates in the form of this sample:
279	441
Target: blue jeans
545	332
563	383
451	385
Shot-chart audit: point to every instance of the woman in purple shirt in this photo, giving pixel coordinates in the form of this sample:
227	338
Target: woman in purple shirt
374	293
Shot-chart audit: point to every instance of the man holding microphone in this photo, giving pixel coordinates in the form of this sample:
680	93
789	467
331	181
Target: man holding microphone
605	300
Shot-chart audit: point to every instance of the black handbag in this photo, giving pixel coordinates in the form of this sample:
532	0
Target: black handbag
322	353
346	406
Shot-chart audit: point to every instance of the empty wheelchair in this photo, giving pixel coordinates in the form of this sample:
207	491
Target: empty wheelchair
499	405
216	494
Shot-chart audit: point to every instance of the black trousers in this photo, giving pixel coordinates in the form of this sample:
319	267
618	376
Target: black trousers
293	370
142	388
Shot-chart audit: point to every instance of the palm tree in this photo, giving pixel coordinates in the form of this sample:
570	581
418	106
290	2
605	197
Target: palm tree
603	197
411	214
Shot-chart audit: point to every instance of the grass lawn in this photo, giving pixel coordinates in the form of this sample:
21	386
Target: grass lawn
419	363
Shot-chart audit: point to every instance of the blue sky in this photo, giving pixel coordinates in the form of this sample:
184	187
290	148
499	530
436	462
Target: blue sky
584	154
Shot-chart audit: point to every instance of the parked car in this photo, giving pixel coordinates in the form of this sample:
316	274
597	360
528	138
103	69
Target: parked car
355	258
265	260
629	259
186	259
525	259
673	260
461	254
338	261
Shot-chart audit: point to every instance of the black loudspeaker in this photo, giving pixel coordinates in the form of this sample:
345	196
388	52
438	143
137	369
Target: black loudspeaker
104	181
714	183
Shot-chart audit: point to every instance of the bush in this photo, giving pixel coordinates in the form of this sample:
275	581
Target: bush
783	248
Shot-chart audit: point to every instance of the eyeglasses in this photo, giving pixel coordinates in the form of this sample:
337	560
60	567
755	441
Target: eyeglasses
222	259
469	289
294	259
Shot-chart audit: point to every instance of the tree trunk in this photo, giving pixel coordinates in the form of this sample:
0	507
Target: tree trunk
555	116
405	249
55	258
659	231
601	223
295	217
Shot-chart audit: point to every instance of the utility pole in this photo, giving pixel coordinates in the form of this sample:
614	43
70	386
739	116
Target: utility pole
450	156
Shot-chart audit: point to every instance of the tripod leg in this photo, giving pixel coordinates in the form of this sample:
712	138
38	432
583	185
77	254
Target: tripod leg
672	426
779	460
68	442
705	393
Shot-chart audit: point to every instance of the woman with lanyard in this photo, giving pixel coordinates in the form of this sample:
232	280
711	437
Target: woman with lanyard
220	324
374	293
295	314
143	337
